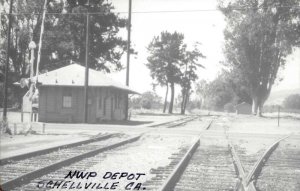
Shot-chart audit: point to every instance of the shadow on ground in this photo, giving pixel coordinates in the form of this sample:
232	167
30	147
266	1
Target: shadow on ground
128	123
157	114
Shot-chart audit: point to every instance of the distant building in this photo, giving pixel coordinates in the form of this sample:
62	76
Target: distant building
61	96
243	108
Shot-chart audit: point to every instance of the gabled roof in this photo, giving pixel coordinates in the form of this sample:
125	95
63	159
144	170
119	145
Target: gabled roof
242	104
74	75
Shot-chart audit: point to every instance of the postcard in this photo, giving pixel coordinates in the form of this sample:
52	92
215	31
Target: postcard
161	95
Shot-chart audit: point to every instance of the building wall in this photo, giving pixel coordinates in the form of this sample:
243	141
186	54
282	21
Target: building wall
244	109
101	104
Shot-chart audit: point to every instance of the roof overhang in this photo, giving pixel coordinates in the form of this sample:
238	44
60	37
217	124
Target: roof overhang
128	90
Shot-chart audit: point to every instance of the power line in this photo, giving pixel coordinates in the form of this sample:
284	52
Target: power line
153	12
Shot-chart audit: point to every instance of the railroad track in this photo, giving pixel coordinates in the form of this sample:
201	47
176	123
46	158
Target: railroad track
16	173
204	167
12	159
275	168
21	170
211	168
282	169
169	174
218	167
175	123
199	167
215	164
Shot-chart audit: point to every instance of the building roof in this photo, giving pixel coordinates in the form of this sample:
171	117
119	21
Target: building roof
243	104
74	75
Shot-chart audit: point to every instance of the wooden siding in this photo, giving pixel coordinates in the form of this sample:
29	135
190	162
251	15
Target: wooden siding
51	105
244	108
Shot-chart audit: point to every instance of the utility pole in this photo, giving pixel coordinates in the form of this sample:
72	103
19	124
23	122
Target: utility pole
278	116
40	43
6	67
86	81
128	56
31	47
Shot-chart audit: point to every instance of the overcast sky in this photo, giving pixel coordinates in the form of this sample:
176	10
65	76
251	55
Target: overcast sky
204	26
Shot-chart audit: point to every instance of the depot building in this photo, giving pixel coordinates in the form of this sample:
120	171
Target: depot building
61	96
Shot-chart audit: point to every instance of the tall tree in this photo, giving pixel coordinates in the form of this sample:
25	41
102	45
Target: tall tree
259	35
215	94
238	85
63	38
166	56
189	74
106	46
227	88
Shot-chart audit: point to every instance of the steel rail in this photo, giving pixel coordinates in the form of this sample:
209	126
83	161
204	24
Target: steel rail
246	182
26	178
254	173
168	122
46	151
183	122
177	172
173	178
209	124
240	186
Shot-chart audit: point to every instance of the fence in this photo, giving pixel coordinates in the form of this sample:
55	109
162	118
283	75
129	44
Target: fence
20	123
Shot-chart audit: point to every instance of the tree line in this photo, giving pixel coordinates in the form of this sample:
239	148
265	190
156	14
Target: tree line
63	39
259	35
171	62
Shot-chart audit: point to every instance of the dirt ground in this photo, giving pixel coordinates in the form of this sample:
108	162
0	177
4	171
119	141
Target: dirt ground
57	134
250	135
264	125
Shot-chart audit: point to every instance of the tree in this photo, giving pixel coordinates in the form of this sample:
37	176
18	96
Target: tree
64	36
106	47
22	26
189	74
292	102
229	107
202	90
221	91
238	85
166	56
259	35
227	90
218	93
135	102
148	100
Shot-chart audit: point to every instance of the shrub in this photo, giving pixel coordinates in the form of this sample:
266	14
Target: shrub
292	102
229	107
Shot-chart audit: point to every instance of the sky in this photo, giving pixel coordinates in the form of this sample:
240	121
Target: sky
290	73
204	26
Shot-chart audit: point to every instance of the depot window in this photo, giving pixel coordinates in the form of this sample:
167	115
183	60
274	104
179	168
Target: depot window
67	100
